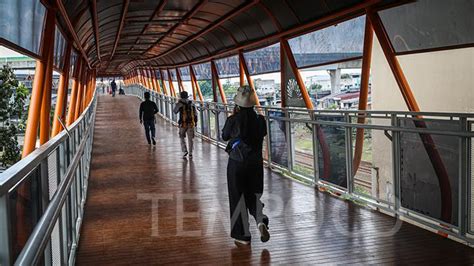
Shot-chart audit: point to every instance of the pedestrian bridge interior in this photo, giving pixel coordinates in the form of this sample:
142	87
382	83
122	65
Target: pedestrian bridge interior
89	189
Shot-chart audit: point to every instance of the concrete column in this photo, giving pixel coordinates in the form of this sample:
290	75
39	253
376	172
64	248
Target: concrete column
335	75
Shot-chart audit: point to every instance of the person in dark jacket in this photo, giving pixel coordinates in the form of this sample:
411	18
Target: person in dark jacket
244	131
147	112
114	87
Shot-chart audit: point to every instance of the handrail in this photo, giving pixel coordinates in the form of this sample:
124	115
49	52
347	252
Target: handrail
316	111
458	126
67	153
34	247
19	170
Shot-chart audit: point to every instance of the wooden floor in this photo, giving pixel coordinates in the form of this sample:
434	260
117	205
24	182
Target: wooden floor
129	180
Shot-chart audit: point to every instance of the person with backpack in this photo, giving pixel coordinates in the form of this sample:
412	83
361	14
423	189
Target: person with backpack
187	122
147	112
245	131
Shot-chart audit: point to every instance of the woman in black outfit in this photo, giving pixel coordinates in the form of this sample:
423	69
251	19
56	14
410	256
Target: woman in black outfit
245	130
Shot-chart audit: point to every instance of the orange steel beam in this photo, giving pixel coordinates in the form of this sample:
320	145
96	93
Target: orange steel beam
170	80
84	92
218	81
243	65
158	86
241	74
148	78
153	79
61	102
75	90
180	82
45	116
80	93
428	143
23	224
364	94
193	86
296	72
309	105
165	89
196	84
38	86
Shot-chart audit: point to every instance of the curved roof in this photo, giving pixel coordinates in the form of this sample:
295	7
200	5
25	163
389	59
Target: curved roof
118	35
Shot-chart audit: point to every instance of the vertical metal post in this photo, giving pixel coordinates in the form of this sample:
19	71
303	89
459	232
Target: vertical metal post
44	179
348	138
6	257
396	162
315	148
463	196
269	138
289	141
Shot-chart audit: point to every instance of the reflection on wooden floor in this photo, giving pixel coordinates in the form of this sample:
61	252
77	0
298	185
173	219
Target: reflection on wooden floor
149	206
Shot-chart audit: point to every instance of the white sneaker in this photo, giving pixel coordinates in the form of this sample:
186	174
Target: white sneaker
185	154
241	242
264	234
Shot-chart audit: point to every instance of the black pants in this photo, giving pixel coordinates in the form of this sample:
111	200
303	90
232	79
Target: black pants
245	185
149	127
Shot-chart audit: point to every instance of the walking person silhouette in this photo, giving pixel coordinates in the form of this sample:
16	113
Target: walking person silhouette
147	112
244	131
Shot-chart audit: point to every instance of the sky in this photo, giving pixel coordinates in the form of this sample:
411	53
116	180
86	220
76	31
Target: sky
5	52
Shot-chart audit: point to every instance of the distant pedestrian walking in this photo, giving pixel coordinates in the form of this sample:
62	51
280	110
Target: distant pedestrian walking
244	131
187	122
114	87
147	112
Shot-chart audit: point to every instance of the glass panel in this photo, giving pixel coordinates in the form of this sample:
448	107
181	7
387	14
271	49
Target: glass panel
268	87
206	89
25	209
429	24
363	174
420	188
335	43
228	67
59	49
332	152
203	71
199	115
335	86
158	74
22	23
205	123
212	123
164	74
184	72
172	72
263	60
302	139
222	117
278	139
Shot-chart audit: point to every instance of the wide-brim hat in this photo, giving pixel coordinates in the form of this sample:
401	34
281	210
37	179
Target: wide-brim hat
245	97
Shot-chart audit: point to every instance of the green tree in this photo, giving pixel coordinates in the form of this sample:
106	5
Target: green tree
206	88
13	110
229	89
315	87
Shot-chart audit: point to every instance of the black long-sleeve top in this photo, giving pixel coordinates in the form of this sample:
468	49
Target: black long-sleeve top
148	109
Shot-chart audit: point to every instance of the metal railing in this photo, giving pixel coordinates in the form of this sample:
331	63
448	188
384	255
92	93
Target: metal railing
318	148
53	182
